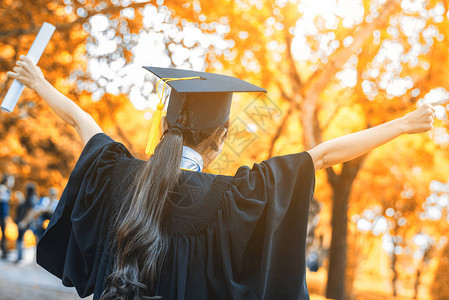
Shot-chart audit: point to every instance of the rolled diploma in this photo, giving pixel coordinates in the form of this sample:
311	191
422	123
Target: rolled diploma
35	53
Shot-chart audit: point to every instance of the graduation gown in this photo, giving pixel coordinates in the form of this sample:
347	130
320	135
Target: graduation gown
229	237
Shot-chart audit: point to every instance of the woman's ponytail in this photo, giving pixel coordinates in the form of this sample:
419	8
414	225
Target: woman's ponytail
140	242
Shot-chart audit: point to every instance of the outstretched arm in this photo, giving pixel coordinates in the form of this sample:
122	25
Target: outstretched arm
31	76
350	146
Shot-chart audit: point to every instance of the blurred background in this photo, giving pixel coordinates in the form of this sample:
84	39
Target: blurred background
378	226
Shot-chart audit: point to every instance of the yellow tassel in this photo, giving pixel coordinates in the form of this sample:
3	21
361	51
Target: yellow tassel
155	133
153	139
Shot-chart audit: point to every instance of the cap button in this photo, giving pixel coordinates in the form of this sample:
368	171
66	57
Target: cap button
160	106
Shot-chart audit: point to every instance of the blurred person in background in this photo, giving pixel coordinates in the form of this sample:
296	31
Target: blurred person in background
20	198
6	185
23	210
42	212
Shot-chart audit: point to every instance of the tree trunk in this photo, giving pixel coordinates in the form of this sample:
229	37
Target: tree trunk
341	189
394	279
308	94
440	286
394	259
416	285
337	256
426	257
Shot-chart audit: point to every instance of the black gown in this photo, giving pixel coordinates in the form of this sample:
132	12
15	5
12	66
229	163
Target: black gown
229	237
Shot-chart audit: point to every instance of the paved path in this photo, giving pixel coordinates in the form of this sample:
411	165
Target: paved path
30	281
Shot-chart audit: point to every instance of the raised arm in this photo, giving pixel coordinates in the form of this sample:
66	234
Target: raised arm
350	146
31	76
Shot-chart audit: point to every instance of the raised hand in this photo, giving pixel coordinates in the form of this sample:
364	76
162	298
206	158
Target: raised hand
350	146
27	73
420	120
31	76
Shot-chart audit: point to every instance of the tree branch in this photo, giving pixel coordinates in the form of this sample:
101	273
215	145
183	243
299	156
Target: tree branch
66	26
335	110
332	178
320	79
294	105
280	129
294	74
351	168
364	31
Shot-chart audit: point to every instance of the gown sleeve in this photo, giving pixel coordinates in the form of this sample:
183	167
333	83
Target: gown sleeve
72	246
268	213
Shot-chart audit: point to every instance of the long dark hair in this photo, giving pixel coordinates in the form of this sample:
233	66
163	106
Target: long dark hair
140	239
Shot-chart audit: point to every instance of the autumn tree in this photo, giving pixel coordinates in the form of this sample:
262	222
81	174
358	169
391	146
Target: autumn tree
391	65
37	145
329	71
436	213
440	287
387	206
92	59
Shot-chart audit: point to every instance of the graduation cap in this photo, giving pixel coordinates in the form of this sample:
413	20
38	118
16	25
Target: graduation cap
209	96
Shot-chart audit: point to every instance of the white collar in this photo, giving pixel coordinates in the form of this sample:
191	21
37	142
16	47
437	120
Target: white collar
191	160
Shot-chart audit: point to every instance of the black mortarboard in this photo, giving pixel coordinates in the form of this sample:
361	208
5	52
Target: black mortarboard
209	96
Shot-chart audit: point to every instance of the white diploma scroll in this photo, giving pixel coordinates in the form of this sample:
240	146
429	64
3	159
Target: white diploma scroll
35	53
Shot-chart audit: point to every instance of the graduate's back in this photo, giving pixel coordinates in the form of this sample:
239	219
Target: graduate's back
139	239
224	237
134	228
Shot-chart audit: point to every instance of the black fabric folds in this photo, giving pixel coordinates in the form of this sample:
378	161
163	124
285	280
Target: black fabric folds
268	212
73	244
243	237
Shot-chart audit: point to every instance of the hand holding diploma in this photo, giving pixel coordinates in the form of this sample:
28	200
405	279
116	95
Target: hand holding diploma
34	54
27	73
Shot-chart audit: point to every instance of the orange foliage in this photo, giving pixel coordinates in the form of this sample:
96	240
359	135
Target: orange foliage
306	103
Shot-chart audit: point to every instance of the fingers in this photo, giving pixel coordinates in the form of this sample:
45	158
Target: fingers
22	67
12	74
23	62
26	72
428	110
430	113
18	71
424	117
428	107
26	59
